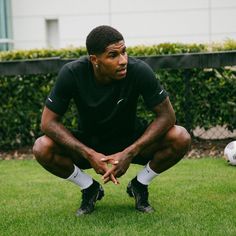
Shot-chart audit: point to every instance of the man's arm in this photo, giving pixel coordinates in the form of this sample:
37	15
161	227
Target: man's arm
51	125
53	128
165	119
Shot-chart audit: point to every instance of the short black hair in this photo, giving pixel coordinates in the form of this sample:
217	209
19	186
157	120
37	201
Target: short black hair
101	37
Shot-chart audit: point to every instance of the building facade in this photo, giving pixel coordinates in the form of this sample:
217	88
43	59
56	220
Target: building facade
64	23
6	42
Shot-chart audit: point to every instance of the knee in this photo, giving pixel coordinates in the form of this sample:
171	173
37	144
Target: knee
42	149
182	139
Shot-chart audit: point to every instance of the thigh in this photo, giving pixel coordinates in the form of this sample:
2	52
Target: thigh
50	146
167	140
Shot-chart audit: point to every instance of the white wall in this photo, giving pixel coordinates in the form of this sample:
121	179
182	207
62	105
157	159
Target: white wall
140	21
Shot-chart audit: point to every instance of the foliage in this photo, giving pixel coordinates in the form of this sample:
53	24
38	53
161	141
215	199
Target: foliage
165	48
207	98
42	53
203	98
22	99
227	45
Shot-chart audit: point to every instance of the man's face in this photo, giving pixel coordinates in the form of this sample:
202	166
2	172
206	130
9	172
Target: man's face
112	64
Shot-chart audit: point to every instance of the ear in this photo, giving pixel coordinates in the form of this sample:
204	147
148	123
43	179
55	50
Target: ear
93	59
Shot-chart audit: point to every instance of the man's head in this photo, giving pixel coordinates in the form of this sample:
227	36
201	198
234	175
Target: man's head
107	53
101	37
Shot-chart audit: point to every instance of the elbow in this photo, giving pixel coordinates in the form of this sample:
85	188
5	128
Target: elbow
44	126
170	113
48	126
173	119
171	122
48	120
173	116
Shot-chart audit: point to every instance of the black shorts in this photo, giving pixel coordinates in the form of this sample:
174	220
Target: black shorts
112	145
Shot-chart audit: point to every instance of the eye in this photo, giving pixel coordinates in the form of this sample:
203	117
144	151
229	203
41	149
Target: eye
112	55
123	51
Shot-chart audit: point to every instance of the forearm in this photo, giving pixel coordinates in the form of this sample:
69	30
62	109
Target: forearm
154	131
165	119
122	159
61	135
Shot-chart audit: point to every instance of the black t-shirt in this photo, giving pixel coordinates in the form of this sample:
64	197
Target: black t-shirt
105	110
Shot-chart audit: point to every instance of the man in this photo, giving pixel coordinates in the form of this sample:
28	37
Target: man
105	87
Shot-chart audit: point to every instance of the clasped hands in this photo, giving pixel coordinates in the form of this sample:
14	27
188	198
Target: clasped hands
111	167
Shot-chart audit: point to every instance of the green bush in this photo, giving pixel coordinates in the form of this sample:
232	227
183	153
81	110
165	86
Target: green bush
208	100
22	99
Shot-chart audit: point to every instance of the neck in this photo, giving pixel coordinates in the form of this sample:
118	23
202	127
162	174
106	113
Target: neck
101	79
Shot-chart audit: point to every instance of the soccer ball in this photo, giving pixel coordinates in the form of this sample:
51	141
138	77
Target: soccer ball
230	153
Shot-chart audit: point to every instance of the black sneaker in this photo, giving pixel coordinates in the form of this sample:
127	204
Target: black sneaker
140	193
89	197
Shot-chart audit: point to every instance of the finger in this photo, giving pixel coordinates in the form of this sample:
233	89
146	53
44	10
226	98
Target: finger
110	160
106	180
114	162
104	159
107	174
111	178
114	180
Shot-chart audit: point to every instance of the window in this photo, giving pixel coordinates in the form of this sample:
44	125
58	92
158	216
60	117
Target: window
6	41
52	33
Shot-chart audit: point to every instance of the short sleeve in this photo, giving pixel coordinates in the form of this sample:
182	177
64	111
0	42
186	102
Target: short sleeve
61	94
149	86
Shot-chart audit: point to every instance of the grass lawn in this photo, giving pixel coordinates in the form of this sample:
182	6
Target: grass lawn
195	197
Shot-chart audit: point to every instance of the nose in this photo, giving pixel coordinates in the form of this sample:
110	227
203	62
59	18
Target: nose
123	59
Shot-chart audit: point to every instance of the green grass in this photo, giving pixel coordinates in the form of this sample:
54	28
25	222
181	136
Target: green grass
195	197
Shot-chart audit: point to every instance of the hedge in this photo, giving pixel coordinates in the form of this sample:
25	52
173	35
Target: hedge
211	97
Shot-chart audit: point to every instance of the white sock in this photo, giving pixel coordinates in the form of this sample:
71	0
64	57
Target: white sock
80	178
146	175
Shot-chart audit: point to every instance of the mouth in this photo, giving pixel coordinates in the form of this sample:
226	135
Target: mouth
122	71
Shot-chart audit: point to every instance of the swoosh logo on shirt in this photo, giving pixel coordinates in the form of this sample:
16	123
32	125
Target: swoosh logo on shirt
50	100
120	101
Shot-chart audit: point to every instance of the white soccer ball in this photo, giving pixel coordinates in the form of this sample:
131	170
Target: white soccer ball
230	153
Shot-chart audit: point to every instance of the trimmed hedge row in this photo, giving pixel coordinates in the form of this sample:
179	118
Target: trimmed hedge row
210	98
